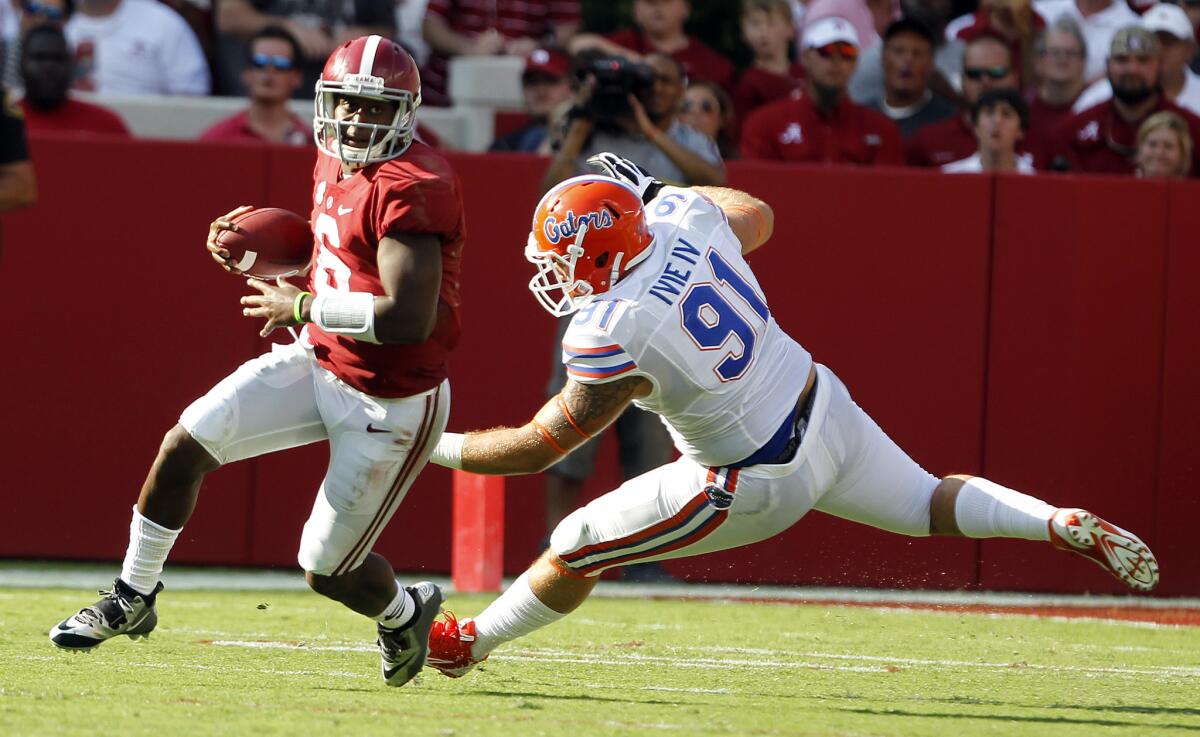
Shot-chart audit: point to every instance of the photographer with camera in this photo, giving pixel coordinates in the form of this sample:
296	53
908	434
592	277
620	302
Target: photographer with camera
632	110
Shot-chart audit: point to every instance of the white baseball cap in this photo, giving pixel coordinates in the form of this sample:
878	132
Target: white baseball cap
827	31
1170	19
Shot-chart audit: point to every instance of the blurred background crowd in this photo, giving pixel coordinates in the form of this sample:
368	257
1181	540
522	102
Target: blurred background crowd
1091	86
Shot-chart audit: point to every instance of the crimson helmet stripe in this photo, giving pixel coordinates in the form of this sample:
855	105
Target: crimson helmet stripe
368	55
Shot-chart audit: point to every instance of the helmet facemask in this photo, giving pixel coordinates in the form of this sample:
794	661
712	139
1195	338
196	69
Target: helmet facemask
387	141
556	274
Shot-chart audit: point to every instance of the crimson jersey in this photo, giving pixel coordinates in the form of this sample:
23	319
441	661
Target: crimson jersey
415	193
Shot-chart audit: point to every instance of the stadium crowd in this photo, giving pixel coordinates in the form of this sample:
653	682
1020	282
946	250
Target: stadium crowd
1087	86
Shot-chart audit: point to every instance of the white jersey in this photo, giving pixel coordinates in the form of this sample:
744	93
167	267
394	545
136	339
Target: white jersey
693	320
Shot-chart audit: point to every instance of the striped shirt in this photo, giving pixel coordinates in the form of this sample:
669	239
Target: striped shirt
535	19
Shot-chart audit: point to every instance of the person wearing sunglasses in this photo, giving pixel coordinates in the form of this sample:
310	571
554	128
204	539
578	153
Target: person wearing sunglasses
271	75
822	124
1103	138
25	14
46	66
707	108
1013	21
987	65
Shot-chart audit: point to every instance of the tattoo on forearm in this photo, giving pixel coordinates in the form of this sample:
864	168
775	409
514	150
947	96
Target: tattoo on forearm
591	402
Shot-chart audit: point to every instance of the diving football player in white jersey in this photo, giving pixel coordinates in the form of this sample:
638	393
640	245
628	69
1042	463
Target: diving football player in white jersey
669	316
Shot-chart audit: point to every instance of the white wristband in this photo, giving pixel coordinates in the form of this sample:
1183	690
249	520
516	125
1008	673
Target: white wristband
448	451
346	313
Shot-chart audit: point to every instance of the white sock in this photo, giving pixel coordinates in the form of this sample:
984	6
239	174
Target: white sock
987	509
515	614
400	612
149	546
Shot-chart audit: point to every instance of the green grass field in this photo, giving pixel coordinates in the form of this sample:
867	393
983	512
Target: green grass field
291	663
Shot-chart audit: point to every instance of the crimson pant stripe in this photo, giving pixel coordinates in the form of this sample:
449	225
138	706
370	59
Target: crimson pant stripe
694	536
418	449
679	519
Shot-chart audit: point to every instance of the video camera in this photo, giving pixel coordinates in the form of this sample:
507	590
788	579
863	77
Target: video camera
615	79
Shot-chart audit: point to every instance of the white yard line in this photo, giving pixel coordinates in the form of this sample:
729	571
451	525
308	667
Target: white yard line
871	663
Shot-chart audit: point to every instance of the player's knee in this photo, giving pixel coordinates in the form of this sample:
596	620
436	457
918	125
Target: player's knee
332	587
569	534
181	454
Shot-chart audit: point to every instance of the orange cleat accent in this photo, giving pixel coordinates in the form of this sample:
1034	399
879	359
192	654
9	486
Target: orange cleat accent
1117	551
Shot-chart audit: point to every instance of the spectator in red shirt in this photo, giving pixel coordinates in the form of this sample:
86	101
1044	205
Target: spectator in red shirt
271	75
1013	21
768	30
46	66
822	124
987	65
472	28
1060	53
659	29
1103	138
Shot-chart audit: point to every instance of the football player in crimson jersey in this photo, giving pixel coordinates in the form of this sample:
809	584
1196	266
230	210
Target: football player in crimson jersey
669	315
368	372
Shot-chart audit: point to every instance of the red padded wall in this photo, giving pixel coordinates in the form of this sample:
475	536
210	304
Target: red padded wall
893	298
127	321
1041	330
1074	364
1178	504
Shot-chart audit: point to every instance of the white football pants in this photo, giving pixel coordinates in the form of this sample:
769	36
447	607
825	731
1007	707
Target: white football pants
283	399
845	466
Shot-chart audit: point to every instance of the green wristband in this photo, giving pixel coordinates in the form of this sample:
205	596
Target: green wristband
297	307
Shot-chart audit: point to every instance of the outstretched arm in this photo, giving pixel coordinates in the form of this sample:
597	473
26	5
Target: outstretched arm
751	219
564	423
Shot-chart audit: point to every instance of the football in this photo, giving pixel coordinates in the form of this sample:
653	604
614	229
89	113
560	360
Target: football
269	242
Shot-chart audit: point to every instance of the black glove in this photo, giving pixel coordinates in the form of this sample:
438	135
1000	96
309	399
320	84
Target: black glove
611	165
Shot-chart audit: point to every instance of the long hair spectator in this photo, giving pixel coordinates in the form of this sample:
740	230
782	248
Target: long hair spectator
708	108
1164	146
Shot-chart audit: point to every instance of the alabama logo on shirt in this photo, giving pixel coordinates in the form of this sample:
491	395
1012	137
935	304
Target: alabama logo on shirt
792	134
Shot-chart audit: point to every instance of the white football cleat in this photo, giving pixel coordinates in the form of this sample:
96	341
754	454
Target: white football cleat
1118	551
122	611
